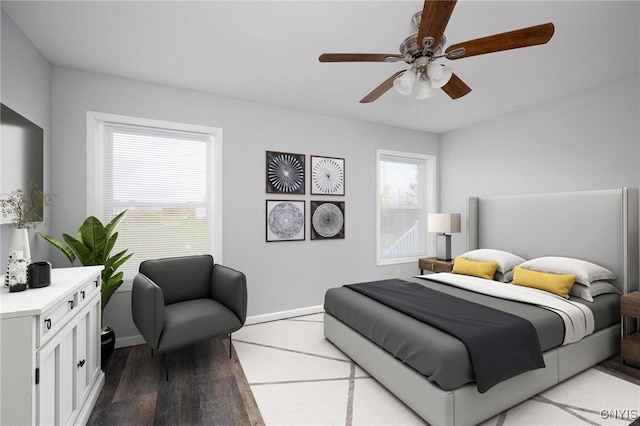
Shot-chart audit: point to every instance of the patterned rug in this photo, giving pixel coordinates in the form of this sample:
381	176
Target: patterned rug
299	378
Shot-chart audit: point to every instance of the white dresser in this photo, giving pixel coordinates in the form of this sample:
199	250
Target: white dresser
50	350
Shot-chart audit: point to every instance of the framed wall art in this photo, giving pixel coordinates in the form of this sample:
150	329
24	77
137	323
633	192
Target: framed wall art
327	220
285	173
327	175
285	220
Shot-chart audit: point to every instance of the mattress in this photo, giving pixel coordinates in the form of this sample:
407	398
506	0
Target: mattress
438	356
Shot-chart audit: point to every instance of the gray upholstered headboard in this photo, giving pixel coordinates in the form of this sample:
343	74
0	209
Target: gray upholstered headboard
598	226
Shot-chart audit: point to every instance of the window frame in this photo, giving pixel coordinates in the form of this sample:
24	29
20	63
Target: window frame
430	198
95	170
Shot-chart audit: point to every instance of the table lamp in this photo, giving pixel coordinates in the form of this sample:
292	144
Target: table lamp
444	224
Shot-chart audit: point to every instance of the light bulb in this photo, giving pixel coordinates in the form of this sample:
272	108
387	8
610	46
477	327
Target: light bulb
425	89
439	74
404	83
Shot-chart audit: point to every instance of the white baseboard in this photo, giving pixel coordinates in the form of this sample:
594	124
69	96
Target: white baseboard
123	342
257	319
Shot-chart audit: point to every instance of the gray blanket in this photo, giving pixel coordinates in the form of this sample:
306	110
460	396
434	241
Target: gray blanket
500	345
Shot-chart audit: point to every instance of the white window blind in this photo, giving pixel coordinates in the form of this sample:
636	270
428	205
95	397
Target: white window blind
406	193
164	178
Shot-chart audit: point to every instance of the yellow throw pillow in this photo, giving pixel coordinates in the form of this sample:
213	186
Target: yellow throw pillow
559	284
476	269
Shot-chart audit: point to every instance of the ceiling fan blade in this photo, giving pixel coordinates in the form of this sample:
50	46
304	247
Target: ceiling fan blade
434	20
381	89
360	57
456	88
524	37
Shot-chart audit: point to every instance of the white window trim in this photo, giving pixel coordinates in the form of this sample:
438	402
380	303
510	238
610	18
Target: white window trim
95	169
430	200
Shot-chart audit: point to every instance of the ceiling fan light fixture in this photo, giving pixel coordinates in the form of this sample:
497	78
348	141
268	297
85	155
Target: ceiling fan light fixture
439	74
425	88
404	82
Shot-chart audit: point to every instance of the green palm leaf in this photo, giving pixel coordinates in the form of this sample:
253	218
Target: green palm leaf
59	244
92	246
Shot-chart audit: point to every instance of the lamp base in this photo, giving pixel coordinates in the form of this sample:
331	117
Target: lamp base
443	247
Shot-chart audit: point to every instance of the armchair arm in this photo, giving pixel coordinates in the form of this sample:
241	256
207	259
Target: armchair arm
147	307
229	287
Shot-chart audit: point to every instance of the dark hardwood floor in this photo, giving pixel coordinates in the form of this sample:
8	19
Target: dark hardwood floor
205	387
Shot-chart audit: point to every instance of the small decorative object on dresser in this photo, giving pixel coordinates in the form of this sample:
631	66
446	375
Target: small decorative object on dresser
630	344
433	264
16	277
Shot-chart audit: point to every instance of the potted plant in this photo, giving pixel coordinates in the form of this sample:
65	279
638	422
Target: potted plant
92	245
25	211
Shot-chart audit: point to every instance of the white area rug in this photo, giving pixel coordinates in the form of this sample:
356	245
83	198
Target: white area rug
299	378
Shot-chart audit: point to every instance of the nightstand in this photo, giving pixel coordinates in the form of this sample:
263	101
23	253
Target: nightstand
630	344
432	264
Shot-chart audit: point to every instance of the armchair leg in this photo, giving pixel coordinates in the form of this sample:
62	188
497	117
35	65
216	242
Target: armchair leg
165	363
229	345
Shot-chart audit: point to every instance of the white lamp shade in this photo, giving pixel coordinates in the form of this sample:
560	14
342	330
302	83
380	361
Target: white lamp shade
404	83
425	89
439	74
445	223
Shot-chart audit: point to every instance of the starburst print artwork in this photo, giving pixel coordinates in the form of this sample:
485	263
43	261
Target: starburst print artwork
327	175
285	173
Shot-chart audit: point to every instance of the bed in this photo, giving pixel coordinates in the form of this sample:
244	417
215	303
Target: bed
595	226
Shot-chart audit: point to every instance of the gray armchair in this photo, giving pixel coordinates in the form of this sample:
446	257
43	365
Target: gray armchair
179	301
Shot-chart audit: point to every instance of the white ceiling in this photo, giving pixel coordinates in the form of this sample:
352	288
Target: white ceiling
267	51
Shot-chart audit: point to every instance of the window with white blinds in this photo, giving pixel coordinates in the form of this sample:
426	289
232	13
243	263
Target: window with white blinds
406	193
167	176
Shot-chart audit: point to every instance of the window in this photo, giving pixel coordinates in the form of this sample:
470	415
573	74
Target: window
406	193
168	176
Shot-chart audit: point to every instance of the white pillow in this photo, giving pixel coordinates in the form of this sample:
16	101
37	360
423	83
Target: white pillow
586	272
595	289
506	261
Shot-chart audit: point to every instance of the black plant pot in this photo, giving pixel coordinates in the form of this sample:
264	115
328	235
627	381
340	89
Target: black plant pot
108	340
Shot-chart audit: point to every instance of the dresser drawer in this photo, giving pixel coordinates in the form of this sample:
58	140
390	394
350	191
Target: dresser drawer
55	318
87	290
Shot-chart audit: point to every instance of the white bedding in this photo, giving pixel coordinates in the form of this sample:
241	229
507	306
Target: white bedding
578	318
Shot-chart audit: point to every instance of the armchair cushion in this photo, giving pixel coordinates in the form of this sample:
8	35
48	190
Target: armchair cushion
191	321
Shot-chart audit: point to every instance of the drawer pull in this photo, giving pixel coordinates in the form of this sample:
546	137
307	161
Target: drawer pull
81	363
71	304
82	293
47	323
95	282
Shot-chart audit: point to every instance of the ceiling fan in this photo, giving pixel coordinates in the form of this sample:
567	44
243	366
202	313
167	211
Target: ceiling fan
422	49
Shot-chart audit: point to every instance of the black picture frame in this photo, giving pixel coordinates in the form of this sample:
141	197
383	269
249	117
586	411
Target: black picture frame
327	220
285	173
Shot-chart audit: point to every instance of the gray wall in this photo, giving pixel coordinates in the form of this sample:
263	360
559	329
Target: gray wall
25	87
590	140
281	276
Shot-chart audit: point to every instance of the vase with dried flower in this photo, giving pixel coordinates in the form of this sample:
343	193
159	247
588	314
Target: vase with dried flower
26	211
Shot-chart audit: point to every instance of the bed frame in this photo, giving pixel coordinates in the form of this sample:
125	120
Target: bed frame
598	226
